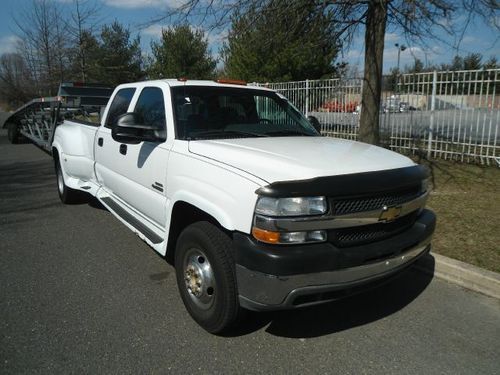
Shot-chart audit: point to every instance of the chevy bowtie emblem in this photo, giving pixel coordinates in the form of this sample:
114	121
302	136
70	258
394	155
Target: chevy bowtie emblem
389	213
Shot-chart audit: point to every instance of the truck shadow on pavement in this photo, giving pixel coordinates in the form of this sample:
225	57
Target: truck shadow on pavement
21	183
342	314
16	176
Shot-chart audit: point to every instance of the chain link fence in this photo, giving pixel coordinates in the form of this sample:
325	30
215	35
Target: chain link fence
449	114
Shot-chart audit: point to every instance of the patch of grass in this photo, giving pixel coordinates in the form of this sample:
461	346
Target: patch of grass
466	200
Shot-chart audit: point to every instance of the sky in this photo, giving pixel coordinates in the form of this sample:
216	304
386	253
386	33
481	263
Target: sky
479	37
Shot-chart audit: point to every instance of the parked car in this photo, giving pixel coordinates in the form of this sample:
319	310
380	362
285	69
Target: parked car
395	105
336	106
405	107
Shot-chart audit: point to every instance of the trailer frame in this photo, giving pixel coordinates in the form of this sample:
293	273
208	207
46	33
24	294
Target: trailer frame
37	120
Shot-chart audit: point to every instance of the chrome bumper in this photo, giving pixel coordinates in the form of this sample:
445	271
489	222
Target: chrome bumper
259	291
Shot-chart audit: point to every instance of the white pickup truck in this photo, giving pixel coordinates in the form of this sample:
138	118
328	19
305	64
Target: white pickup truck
236	188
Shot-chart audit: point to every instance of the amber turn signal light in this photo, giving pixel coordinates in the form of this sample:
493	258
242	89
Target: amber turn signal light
266	235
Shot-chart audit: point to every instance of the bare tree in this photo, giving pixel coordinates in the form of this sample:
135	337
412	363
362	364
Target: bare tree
15	83
83	21
60	48
417	20
44	39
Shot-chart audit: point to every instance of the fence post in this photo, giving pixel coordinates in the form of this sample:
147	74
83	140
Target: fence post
431	121
307	97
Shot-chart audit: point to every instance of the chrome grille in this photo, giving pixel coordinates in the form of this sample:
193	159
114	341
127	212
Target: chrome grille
353	205
370	233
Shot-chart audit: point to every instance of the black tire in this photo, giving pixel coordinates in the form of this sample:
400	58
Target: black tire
13	133
202	245
66	194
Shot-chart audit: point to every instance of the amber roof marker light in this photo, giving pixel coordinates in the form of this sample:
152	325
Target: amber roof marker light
231	81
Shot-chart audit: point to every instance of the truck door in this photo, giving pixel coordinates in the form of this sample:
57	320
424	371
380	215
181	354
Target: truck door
105	148
134	174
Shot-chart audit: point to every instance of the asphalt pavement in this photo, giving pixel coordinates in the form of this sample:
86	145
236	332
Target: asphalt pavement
80	293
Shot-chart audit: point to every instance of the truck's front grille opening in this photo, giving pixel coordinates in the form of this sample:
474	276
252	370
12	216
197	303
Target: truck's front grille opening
352	205
370	233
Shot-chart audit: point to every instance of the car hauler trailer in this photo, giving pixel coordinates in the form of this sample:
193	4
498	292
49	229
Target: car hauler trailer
38	119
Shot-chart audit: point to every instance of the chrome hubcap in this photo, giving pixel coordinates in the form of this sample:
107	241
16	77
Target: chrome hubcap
199	278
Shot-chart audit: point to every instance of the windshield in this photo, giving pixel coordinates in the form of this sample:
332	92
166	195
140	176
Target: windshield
204	112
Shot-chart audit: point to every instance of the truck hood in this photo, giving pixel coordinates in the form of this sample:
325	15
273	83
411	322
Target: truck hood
297	158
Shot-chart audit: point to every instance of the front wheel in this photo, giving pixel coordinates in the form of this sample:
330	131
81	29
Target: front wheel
206	277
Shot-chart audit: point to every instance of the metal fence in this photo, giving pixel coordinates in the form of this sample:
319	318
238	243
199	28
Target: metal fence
450	115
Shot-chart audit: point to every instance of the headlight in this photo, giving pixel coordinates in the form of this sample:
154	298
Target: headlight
269	210
300	206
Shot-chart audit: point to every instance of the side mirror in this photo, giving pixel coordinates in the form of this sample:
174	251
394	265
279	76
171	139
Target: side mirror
129	129
315	123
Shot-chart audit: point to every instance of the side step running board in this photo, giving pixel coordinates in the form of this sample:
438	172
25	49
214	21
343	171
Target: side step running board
150	235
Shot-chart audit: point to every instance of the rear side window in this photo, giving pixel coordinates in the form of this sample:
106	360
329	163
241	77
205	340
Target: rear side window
119	106
151	107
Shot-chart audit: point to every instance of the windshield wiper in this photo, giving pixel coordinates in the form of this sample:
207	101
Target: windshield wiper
289	132
210	133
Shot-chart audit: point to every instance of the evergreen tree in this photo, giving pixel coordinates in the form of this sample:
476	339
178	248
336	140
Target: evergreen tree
418	66
473	61
492	63
457	63
303	48
118	57
181	52
85	69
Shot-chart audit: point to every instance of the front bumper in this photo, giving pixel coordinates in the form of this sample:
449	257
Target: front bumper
284	277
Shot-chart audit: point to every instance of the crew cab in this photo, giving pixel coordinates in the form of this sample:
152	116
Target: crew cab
240	192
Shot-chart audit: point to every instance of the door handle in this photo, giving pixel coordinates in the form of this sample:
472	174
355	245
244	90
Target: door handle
100	141
123	149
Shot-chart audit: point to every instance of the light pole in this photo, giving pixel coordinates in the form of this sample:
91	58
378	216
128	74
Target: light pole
400	48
